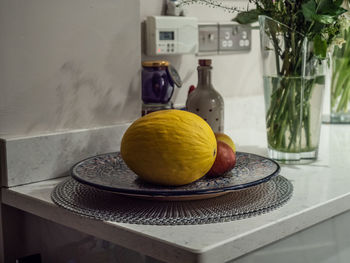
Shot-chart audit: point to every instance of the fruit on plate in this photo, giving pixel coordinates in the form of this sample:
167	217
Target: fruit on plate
222	137
225	157
169	147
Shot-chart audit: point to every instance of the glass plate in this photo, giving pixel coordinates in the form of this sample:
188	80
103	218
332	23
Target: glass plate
109	172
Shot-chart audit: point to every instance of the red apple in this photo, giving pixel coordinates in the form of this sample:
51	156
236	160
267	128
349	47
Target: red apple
221	137
225	159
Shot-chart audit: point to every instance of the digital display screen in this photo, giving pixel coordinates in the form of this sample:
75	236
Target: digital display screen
166	35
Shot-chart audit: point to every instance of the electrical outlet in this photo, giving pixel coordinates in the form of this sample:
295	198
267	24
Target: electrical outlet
234	37
208	37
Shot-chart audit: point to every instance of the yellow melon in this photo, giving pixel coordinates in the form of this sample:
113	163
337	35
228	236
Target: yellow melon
169	147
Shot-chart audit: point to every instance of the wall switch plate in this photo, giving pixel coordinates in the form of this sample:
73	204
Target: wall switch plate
234	37
208	37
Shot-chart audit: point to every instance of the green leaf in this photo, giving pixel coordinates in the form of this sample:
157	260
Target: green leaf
340	11
324	19
317	28
324	6
309	9
320	46
328	7
338	2
247	17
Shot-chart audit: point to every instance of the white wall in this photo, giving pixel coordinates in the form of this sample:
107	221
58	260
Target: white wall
68	64
74	64
234	74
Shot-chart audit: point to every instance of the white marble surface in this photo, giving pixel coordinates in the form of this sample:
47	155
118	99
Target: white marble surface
321	191
36	158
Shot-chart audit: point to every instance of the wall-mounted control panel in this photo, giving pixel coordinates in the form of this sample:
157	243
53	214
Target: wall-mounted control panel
223	38
171	35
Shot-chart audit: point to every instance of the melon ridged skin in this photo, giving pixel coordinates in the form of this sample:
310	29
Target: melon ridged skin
169	147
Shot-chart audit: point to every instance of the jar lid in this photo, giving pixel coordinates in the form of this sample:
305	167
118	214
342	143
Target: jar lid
175	77
155	63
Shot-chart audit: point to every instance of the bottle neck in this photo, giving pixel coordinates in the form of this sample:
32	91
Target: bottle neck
204	77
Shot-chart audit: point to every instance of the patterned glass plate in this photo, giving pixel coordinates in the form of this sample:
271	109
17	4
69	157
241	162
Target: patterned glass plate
109	172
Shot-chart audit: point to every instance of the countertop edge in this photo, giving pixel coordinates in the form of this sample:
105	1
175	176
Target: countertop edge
125	237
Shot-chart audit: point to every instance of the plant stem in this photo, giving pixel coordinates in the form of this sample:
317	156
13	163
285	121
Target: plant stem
340	87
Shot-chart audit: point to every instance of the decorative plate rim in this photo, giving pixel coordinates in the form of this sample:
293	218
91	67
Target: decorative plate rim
174	192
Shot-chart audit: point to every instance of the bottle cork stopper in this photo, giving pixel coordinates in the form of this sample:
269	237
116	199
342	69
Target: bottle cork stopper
204	62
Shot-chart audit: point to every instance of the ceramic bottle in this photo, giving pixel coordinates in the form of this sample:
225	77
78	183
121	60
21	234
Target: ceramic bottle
205	101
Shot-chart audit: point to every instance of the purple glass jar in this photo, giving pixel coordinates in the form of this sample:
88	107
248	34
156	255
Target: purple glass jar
157	83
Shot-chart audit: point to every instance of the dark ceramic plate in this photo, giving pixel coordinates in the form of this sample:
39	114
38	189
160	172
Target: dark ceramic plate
109	172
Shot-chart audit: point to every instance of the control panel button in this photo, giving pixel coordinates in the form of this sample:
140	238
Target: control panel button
246	42
241	43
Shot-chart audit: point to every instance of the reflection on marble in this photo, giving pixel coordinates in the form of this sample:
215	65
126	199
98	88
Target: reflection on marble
38	158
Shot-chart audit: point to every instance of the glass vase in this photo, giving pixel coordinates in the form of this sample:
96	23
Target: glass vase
340	84
294	83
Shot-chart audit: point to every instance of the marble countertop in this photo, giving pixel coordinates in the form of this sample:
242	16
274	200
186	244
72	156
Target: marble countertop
321	191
